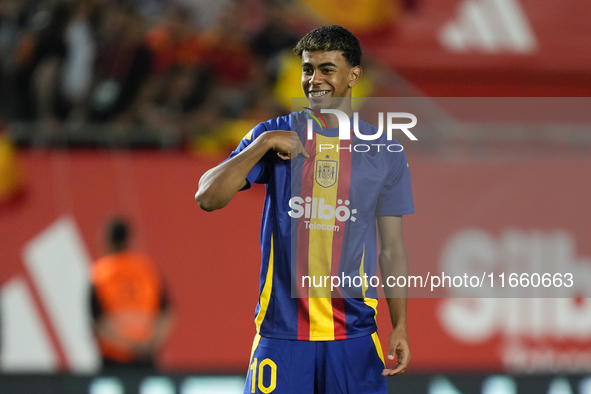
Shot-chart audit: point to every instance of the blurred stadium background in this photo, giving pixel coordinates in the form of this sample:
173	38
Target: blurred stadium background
108	106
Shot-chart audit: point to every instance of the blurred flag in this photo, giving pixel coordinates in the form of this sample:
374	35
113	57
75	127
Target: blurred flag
361	16
11	176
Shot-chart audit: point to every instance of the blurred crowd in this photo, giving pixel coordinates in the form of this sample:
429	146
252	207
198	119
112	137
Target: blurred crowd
125	63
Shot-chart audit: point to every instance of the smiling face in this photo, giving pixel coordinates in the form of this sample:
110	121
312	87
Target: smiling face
327	74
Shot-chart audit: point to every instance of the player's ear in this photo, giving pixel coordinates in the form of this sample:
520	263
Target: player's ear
354	75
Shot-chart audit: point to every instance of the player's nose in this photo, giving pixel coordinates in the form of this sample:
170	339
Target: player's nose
316	78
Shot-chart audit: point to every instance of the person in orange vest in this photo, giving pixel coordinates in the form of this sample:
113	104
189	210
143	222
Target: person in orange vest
130	308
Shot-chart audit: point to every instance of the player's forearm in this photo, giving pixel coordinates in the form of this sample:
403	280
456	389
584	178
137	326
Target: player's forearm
397	309
395	263
219	185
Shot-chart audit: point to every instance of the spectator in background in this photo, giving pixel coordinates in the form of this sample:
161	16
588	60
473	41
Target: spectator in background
235	74
93	61
10	26
244	67
182	93
39	57
175	42
151	10
130	308
276	36
182	82
77	70
229	58
10	18
122	79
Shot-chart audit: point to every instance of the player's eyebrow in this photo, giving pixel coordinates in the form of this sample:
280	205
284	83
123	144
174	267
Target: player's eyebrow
326	64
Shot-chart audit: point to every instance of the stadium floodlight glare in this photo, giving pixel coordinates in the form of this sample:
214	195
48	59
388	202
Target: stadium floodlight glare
441	385
585	386
106	386
213	385
157	385
499	385
560	386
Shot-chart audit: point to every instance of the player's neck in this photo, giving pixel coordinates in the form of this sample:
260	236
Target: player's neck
342	104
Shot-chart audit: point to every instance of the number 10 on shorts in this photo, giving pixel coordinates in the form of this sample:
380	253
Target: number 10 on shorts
259	378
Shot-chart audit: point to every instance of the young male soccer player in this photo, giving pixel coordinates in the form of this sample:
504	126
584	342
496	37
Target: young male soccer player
319	217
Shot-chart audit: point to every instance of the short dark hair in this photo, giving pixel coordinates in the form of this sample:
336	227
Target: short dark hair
331	38
118	233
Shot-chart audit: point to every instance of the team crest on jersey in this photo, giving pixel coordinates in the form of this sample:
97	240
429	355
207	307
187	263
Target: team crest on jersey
326	172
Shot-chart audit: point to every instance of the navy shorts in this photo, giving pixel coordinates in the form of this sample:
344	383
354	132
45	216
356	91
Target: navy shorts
350	366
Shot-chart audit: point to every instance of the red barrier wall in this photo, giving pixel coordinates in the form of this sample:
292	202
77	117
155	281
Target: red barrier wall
211	260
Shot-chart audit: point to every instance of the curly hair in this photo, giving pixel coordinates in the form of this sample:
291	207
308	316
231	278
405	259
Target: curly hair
331	38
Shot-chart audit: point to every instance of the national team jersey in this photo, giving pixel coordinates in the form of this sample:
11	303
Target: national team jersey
319	220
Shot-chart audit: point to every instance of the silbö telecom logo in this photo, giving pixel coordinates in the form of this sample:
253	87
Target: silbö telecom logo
345	130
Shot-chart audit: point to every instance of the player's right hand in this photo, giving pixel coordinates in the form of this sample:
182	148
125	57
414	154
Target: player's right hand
398	348
287	144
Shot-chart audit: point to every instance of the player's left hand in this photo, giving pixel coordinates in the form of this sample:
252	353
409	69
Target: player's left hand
399	347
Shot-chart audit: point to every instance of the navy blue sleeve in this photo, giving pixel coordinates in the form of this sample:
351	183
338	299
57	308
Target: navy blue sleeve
395	199
262	169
